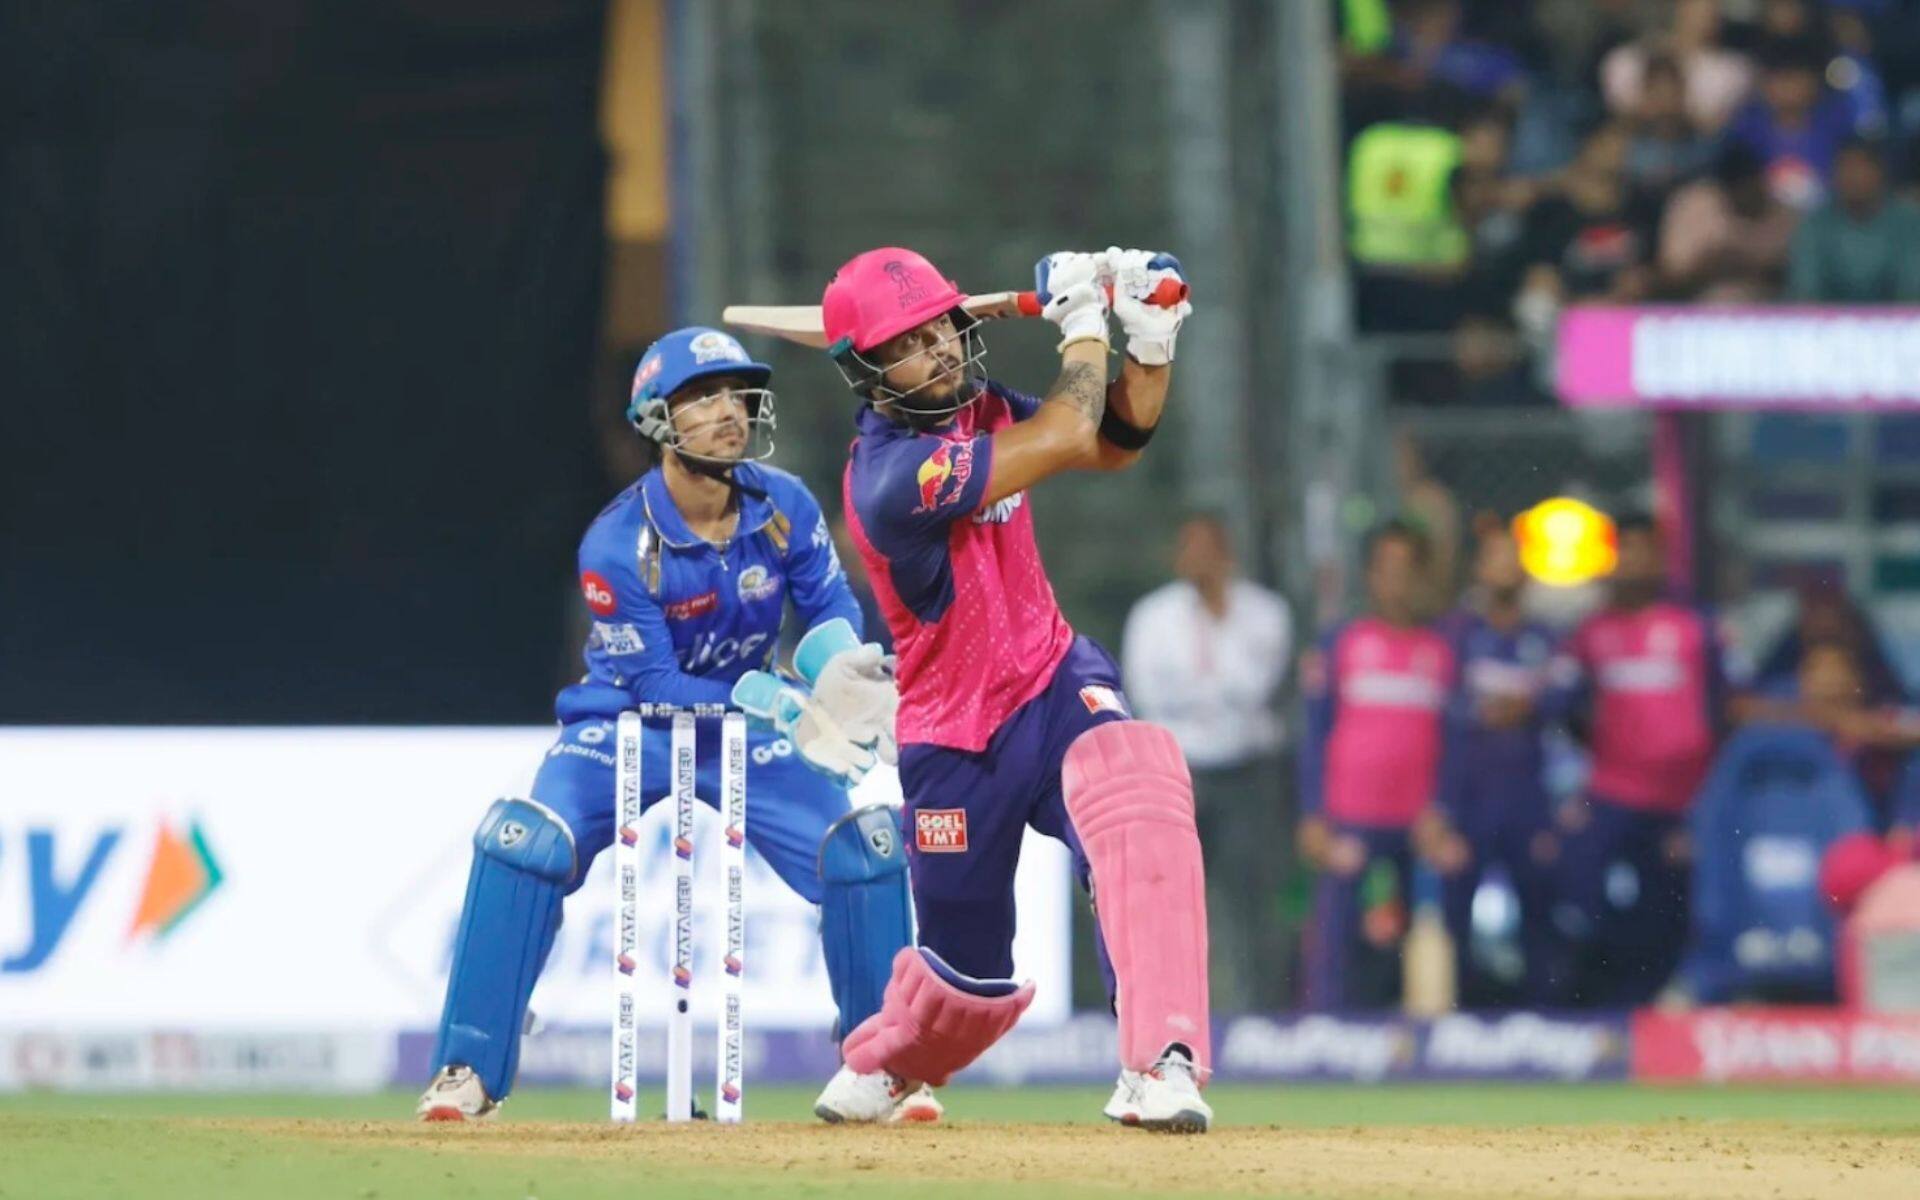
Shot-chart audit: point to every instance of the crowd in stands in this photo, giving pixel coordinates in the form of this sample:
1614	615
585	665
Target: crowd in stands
1509	157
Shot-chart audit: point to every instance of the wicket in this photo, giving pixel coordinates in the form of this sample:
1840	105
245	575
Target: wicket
629	797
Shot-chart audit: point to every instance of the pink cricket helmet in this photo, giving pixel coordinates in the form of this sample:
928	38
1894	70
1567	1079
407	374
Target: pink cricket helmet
881	294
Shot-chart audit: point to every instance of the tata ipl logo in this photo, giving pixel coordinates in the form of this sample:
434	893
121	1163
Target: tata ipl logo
181	872
736	924
683	935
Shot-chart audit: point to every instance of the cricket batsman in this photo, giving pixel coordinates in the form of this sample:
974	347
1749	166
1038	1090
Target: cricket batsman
1007	718
687	574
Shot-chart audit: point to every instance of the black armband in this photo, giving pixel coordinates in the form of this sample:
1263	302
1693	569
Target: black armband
1123	434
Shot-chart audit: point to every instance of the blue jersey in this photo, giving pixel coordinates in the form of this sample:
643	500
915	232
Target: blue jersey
677	619
1489	769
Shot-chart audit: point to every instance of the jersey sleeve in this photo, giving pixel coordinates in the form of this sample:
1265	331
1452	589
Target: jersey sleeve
1319	689
913	488
1020	404
629	644
815	579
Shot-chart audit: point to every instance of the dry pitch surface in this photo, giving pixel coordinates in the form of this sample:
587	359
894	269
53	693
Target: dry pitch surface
1475	1142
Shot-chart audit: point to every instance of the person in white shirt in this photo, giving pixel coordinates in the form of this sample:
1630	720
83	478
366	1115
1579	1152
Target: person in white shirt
1204	656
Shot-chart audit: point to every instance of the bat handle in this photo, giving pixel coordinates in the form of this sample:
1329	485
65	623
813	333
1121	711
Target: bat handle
1168	293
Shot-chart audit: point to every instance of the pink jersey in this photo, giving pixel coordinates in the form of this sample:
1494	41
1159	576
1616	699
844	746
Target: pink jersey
962	587
1376	693
1652	677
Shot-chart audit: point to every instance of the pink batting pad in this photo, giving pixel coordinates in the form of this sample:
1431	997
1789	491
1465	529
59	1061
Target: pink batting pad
929	1026
1131	799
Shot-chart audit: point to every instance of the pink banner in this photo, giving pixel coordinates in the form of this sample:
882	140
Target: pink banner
1789	357
1812	1045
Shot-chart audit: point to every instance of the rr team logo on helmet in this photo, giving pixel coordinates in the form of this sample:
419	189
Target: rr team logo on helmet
911	290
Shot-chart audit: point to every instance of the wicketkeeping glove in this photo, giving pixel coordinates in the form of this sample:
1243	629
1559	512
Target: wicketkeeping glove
853	681
797	717
1150	329
1069	285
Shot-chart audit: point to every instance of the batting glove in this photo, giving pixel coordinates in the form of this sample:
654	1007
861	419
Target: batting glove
1150	329
1069	285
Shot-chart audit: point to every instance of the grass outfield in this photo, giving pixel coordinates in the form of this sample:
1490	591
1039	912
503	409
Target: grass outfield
1318	1141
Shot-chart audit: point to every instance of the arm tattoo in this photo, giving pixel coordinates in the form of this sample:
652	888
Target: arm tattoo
1080	385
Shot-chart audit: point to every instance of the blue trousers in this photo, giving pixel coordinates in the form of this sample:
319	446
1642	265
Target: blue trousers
1353	945
1625	901
1509	826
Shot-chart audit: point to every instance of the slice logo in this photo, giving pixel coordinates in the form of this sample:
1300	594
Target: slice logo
940	830
180	873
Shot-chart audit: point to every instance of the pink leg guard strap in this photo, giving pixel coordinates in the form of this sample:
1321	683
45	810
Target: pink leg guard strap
927	1027
1131	800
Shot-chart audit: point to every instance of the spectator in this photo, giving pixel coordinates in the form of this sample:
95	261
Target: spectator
1592	234
1205	656
1725	238
1862	246
1875	739
1667	146
1795	125
1644	679
1487	371
1827	614
1717	79
1402	230
1427	40
1591	239
1374	689
1493	786
1428	53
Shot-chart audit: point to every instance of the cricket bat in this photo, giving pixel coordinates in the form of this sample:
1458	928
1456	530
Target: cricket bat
802	322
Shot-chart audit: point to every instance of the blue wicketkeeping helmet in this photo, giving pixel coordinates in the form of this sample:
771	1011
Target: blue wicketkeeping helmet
691	354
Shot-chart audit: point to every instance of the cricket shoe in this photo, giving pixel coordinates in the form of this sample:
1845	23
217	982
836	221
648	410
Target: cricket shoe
850	1097
1165	1097
456	1094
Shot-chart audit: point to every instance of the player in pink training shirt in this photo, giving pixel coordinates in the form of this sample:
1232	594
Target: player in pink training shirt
1647	678
1007	717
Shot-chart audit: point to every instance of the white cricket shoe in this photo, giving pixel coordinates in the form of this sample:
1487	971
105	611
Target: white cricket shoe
918	1106
456	1094
1165	1097
850	1097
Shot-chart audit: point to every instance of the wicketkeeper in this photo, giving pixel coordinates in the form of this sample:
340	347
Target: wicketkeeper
687	574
